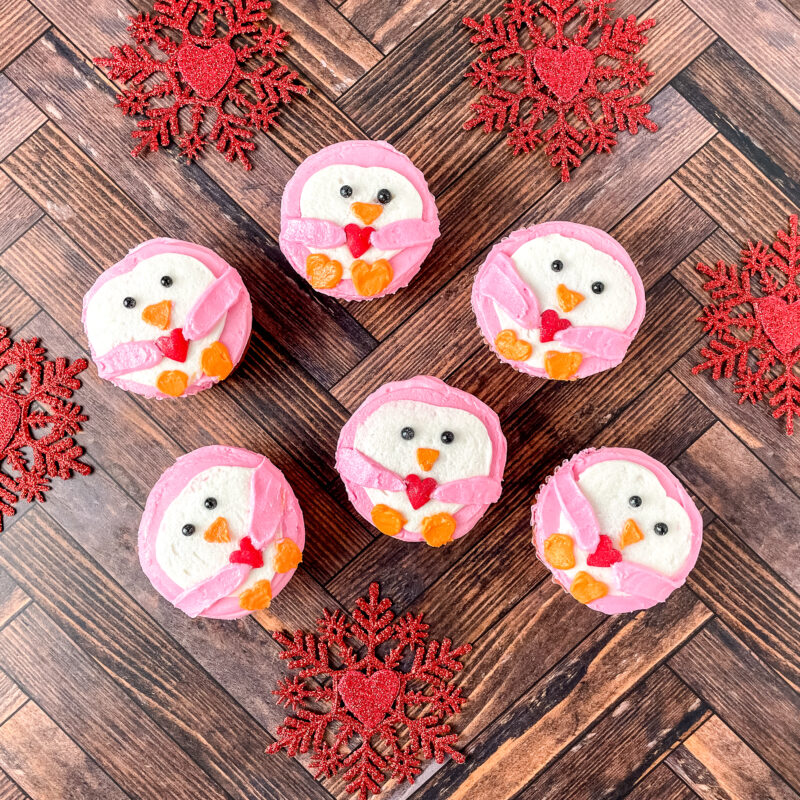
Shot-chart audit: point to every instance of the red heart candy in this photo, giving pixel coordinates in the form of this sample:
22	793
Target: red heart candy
563	71
247	554
605	555
357	239
550	324
9	421
369	698
173	345
206	70
780	321
419	491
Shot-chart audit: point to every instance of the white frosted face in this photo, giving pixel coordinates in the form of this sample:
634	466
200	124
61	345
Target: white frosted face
188	560
321	198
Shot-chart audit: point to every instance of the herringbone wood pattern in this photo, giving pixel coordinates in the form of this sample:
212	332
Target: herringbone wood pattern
107	692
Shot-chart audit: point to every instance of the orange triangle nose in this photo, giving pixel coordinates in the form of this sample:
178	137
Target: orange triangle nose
426	458
218	531
158	314
367	212
631	533
567	299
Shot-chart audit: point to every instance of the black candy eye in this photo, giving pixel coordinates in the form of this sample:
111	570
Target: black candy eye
210	502
346	191
447	437
129	302
407	434
166	280
557	266
660	529
187	530
635	501
384	196
597	287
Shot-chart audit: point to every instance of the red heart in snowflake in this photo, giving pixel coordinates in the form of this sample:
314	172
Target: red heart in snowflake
780	321
174	345
206	70
369	698
357	239
550	324
247	554
419	491
605	555
563	71
9	421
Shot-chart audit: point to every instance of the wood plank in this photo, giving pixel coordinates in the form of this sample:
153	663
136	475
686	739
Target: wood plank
385	23
20	25
46	763
11	698
19	211
12	598
661	784
744	693
17	306
19	118
718	765
746	506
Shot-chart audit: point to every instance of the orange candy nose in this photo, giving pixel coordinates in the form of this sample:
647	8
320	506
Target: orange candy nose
567	299
323	272
257	597
512	348
558	551
426	458
158	314
366	212
370	279
631	533
218	531
586	589
172	382
438	529
216	361
387	520
561	366
287	556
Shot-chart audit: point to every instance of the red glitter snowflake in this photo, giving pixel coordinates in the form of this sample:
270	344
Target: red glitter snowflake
36	421
754	324
222	63
379	720
560	73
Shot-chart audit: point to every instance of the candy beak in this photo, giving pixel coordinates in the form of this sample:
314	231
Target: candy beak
158	314
567	299
426	458
366	212
631	533
218	531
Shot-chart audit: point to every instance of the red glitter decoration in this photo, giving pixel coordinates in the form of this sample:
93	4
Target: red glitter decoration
419	491
247	554
550	324
754	323
605	555
227	67
561	73
42	408
380	721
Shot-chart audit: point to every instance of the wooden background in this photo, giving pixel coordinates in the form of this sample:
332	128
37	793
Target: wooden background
107	692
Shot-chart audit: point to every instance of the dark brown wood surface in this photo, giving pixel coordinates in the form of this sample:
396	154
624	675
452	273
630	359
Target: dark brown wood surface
107	692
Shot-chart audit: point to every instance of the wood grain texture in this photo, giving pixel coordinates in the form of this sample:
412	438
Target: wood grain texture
19	118
20	25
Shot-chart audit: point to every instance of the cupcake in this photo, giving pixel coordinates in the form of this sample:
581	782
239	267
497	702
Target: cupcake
357	220
169	320
422	461
617	529
559	300
222	533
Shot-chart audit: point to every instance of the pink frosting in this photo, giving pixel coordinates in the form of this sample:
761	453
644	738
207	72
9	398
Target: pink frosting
226	295
642	587
413	238
273	510
358	471
499	282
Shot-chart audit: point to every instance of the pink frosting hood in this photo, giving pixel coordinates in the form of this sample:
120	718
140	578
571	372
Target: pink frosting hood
616	345
643	586
238	322
425	389
269	517
407	262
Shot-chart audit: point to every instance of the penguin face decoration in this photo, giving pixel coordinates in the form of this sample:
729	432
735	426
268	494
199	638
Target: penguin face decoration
616	529
421	460
171	319
559	300
222	533
357	220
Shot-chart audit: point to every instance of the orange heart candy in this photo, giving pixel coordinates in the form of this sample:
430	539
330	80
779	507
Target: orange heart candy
561	366
218	531
567	299
287	556
631	533
158	314
558	551
512	348
370	279
438	529
586	589
323	272
257	597
216	361
172	382
387	520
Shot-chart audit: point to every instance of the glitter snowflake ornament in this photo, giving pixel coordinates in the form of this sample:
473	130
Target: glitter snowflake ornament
36	422
379	698
754	324
215	82
560	73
